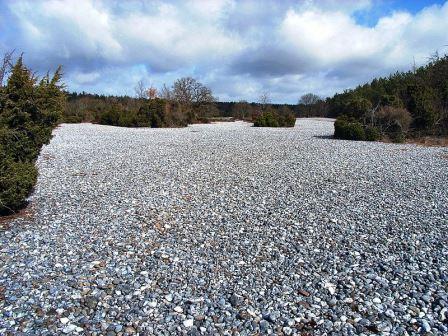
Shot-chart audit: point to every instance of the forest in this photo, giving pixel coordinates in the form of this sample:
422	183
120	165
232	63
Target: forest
403	105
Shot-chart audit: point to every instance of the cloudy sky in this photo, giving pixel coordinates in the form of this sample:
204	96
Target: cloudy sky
238	48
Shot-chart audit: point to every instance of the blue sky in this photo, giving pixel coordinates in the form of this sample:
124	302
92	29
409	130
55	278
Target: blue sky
240	49
378	9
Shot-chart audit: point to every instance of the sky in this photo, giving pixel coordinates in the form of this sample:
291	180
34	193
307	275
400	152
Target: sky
240	49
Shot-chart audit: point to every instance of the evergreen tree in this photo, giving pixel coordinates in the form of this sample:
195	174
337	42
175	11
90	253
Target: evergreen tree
28	114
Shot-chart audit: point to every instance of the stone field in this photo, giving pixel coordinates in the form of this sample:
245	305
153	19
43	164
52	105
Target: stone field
227	229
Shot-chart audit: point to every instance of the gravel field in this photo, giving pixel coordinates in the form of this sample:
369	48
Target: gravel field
229	230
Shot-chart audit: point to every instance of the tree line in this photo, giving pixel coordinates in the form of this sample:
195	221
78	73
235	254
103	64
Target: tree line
403	105
187	101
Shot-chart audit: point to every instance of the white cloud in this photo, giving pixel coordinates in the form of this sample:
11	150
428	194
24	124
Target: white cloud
86	77
239	48
68	28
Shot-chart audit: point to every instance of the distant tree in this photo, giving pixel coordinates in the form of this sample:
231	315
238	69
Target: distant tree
312	105
309	99
241	110
394	121
140	90
188	91
404	104
166	93
264	100
151	93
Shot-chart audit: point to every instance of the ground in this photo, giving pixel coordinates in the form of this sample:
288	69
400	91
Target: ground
228	229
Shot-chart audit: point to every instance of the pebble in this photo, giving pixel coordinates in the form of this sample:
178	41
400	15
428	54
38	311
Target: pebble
226	229
188	323
64	320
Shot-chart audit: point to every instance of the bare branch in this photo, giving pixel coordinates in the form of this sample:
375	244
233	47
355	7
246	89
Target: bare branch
6	66
140	90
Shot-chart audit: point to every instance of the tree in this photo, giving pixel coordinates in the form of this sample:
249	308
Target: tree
152	93
166	93
309	99
194	99
394	121
140	90
313	105
28	114
241	110
6	66
264	100
188	91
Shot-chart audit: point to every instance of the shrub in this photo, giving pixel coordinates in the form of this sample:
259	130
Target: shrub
372	133
270	118
267	119
110	116
348	129
358	108
72	119
17	180
28	114
389	117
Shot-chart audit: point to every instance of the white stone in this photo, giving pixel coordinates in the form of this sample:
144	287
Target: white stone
188	323
64	320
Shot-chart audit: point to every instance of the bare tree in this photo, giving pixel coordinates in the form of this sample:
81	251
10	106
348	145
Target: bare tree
151	93
309	99
264	100
312	103
6	66
241	110
140	90
189	91
166	93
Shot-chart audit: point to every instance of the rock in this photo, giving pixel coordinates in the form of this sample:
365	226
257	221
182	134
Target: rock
188	323
234	300
389	313
287	330
304	292
91	302
264	325
330	287
69	328
425	326
130	330
64	320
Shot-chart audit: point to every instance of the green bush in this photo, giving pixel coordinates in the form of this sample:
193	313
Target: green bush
348	129
28	113
271	118
267	119
372	133
152	113
17	180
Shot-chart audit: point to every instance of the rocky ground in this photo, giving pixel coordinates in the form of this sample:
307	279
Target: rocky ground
231	230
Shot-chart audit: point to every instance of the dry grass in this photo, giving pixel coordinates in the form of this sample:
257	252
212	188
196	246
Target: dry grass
429	141
25	214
